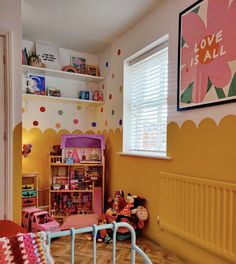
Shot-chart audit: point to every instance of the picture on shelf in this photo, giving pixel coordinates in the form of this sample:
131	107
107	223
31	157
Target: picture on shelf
49	55
78	63
92	70
54	92
36	84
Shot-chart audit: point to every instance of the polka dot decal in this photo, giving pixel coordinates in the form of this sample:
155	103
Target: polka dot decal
58	125
94	124
110	96
101	110
118	52
121	88
113	75
107	64
113	112
42	109
120	122
106	123
35	123
103	86
60	112
78	107
75	121
23	110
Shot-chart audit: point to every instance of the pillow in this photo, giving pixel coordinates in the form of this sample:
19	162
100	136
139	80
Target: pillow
80	220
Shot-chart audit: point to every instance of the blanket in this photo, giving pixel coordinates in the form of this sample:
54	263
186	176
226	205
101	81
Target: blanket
29	248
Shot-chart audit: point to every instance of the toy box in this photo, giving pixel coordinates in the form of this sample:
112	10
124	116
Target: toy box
29	201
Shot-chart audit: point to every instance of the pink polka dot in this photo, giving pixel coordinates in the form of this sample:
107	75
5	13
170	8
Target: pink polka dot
42	109
113	75
106	123
110	96
58	125
103	86
75	121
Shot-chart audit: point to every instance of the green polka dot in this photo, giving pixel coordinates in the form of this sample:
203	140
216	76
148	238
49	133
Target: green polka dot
113	112
78	107
60	112
121	88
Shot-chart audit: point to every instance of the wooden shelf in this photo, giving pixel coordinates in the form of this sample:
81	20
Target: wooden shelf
71	191
26	96
77	164
61	74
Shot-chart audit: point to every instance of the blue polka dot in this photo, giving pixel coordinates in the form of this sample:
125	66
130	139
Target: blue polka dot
94	124
107	64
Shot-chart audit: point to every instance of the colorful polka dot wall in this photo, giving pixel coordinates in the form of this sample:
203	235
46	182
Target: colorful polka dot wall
118	52
107	64
60	112
75	121
113	75
35	123
120	122
94	124
58	125
110	96
42	109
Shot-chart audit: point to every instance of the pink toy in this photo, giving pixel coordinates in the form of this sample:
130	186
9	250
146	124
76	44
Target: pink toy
27	215
42	221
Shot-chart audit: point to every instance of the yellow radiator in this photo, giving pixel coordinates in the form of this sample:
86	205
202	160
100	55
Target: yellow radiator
200	210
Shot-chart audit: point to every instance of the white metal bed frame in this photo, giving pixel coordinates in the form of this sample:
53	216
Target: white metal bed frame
94	229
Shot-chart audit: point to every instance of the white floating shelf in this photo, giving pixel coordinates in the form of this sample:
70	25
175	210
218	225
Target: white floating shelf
61	74
26	96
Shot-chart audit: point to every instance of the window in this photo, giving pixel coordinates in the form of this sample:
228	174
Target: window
145	102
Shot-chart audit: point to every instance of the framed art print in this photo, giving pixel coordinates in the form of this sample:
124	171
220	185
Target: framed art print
207	54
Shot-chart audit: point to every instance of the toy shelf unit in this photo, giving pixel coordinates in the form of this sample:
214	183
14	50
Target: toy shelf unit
52	85
30	189
77	177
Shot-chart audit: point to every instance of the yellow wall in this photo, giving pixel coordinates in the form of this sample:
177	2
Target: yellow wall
206	151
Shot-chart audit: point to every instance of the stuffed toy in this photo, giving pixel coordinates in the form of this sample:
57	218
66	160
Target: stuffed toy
26	149
103	235
141	214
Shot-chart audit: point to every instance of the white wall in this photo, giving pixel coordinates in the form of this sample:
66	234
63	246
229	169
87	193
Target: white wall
161	21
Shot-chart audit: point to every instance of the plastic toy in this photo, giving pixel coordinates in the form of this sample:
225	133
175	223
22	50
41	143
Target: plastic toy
27	215
103	234
42	221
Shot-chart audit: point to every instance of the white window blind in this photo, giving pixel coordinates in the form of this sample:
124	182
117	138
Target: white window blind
147	102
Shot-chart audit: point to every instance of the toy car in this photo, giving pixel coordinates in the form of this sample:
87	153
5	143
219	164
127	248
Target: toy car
42	221
27	215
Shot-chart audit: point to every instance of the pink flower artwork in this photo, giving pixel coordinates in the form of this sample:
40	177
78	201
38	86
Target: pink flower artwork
207	53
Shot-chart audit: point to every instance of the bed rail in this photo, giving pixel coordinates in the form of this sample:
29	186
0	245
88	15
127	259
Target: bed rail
94	229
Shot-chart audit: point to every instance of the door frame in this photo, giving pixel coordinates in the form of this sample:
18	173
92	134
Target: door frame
8	135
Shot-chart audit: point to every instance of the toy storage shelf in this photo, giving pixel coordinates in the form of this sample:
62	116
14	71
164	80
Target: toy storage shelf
61	74
71	191
29	189
26	96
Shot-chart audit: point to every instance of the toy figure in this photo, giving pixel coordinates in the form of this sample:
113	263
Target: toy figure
26	149
57	150
103	235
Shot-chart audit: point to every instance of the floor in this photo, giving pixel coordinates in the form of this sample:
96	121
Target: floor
60	250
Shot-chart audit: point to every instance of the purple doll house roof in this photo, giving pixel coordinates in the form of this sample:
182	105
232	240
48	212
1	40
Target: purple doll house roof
82	141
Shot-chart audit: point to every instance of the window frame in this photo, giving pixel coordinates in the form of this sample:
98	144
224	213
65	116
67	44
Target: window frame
153	48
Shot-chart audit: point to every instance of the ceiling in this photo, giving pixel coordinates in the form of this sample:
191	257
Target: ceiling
82	25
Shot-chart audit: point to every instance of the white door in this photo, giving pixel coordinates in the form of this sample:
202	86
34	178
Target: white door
2	143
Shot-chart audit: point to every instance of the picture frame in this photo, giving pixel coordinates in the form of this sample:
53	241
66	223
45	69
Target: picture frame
206	55
78	63
54	92
92	70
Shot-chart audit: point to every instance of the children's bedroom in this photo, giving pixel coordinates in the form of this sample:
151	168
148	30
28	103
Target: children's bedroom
118	127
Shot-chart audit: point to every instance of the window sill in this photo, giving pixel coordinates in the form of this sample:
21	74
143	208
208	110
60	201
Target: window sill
144	155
